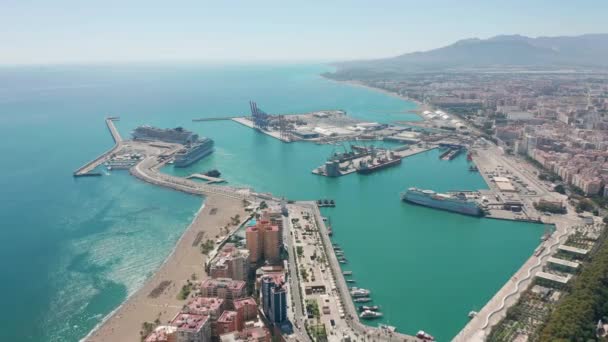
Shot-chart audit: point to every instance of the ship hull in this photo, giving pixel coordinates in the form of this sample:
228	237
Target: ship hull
461	208
372	169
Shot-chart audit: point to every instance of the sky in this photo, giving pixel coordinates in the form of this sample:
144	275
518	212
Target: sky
76	31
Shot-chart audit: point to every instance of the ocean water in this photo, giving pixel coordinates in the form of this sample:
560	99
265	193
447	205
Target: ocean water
74	249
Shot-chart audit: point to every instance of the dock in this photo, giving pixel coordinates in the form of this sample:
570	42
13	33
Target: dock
208	179
86	169
248	123
348	167
218	118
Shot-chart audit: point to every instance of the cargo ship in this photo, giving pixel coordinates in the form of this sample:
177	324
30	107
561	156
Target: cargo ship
193	152
455	202
376	164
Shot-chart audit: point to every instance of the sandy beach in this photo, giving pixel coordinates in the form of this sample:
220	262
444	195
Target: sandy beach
157	299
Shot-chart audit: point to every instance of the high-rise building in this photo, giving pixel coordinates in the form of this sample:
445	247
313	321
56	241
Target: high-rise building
274	299
231	262
264	241
255	243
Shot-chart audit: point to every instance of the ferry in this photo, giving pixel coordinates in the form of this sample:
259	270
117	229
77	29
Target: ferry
457	202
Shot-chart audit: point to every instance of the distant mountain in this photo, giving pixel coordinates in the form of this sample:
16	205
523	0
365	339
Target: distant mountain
586	51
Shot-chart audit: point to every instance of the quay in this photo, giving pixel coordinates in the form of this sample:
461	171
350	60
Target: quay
219	118
248	123
348	167
86	169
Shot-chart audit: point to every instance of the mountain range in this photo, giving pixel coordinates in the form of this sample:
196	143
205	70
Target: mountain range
589	51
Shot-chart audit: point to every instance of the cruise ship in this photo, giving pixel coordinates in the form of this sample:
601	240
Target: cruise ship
193	152
457	202
170	135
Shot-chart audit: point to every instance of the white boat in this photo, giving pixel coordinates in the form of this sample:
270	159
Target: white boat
368	314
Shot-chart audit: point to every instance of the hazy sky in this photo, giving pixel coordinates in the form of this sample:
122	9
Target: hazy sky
63	31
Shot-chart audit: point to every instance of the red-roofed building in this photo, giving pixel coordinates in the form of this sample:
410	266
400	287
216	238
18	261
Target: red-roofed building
209	306
231	262
192	327
224	288
162	333
247	309
253	334
228	322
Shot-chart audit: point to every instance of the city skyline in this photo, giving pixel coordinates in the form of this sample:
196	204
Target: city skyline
71	32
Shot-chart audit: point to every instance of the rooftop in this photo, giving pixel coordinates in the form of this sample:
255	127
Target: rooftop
204	304
573	249
161	334
563	262
190	322
554	277
244	301
223	282
227	316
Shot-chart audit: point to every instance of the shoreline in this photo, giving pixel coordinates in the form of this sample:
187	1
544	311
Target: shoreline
124	323
113	312
421	106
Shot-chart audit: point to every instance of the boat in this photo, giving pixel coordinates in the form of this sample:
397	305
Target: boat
455	202
351	281
347	273
424	336
450	153
357	292
368	314
362	300
369	308
388	328
473	168
194	152
472	314
376	164
343	261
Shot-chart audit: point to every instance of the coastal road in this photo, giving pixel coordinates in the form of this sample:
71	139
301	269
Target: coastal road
294	286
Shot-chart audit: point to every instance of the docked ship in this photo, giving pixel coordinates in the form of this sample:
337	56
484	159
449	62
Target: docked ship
375	164
455	202
194	152
170	135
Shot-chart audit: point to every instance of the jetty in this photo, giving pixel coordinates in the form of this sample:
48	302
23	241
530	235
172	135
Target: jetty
86	169
208	179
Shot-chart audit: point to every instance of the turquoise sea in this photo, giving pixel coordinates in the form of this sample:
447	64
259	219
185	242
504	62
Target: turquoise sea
74	249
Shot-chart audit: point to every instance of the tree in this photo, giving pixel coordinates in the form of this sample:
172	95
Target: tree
560	189
584	205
